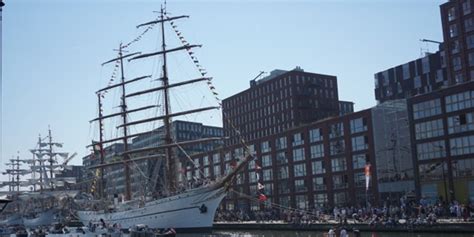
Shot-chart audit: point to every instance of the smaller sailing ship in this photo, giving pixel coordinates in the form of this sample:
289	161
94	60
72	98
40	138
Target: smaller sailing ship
36	201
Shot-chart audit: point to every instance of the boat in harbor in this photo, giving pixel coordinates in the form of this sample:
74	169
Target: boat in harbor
36	201
171	206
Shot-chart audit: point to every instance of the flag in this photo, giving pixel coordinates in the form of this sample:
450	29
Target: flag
367	176
257	167
262	197
260	186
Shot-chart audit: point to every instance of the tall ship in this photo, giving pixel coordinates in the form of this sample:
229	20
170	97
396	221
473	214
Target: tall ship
38	186
167	202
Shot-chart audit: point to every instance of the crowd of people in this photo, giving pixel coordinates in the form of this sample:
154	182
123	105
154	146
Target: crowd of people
404	213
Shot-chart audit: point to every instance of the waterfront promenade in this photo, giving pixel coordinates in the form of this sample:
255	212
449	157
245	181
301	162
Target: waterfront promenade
443	226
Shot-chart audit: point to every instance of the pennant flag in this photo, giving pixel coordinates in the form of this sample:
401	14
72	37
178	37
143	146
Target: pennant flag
257	167
262	197
260	186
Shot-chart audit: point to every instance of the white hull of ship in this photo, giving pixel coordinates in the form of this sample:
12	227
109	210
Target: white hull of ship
183	211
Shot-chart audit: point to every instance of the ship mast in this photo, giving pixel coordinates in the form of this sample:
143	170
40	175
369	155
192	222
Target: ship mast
170	163
101	146
126	157
51	159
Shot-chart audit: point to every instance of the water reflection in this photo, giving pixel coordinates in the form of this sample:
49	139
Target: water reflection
316	234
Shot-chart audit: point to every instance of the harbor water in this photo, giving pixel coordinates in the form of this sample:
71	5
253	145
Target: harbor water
264	233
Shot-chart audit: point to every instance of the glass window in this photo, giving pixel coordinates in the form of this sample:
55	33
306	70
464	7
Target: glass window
358	125
426	109
319	183
206	172
463	168
359	179
298	154
268	188
216	158
338	164
457	63
406	71
265	146
433	128
315	135
432	171
266	161
336	130
267	175
301	202
430	150
466	7
283	187
283	174
460	101
360	143
217	171
417	82
298	139
285	201
359	161
462	145
205	160
318	167
300	170
426	64
470	41
300	185
453	31
281	158
317	151
340	199
336	147
340	181
320	200
469	24
461	123
451	13
280	143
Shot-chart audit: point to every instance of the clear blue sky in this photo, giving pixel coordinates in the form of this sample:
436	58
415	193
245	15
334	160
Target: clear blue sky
52	51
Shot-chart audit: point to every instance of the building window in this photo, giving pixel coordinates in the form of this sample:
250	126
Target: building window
340	199
463	168
359	161
265	146
207	174
298	139
470	41
283	187
267	175
406	71
217	171
319	183
301	202
300	170
268	188
360	143
336	147
318	167
433	128
283	174
453	31
426	109
358	125
466	7
266	161
457	63
461	123
460	101
458	77
432	171
317	151
300	185
462	145
439	76
336	130
216	158
417	82
280	143
281	158
205	160
469	24
320	200
340	181
426	64
252	177
338	164
315	135
359	179
285	201
298	154
430	150
451	13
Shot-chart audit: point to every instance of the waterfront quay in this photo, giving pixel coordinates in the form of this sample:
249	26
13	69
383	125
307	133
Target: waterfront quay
445	226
